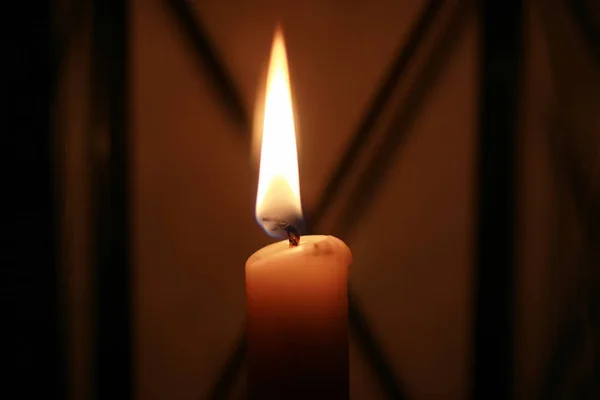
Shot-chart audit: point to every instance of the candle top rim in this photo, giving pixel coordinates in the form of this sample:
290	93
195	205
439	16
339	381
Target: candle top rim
322	246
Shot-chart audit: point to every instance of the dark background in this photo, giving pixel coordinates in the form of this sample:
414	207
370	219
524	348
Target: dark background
471	202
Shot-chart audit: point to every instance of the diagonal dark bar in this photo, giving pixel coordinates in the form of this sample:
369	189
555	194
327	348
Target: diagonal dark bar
231	370
500	52
370	180
377	106
109	153
373	350
589	30
225	88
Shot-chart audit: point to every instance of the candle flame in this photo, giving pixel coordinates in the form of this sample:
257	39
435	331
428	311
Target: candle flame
278	196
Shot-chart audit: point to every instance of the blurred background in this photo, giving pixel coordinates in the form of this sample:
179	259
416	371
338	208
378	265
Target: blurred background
453	145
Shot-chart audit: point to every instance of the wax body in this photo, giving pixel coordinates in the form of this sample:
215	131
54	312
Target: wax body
297	320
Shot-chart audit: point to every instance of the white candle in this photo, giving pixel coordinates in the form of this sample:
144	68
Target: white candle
297	304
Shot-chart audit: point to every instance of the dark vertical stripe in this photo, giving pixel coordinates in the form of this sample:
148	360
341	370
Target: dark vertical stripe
500	51
109	136
33	355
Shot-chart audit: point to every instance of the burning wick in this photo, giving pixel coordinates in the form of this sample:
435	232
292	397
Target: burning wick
276	226
293	236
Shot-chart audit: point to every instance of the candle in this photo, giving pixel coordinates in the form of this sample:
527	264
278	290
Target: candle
297	323
296	299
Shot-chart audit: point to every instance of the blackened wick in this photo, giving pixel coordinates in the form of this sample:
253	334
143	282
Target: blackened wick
293	236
